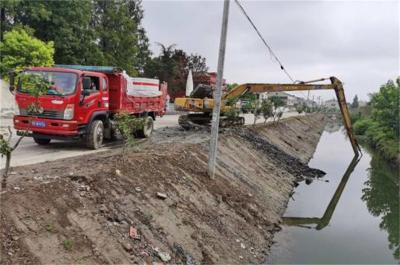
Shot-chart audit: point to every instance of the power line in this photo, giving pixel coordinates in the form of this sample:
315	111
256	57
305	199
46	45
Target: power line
264	41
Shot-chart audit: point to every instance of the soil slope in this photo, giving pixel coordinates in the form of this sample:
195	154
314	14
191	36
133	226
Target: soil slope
107	207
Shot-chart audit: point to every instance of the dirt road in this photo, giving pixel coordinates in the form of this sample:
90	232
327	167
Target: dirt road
30	153
157	204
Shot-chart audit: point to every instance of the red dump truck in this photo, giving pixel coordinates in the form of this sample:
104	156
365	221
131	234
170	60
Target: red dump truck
82	101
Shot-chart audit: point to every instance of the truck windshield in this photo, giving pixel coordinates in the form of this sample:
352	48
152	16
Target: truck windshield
47	83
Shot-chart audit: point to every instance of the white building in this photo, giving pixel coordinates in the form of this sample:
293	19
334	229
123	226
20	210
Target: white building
331	104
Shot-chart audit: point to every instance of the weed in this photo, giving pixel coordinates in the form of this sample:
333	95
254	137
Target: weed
67	243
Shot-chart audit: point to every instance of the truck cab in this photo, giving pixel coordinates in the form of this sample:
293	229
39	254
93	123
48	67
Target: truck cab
73	101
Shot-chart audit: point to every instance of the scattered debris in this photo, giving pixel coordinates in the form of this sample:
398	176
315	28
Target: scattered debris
133	233
242	246
164	256
161	195
128	247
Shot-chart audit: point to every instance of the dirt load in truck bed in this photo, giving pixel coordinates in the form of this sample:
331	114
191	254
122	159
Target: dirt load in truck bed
157	205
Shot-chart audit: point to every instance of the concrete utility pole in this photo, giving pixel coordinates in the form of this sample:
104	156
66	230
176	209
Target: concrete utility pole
212	157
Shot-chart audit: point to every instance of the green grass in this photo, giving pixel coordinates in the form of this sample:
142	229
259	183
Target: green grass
68	244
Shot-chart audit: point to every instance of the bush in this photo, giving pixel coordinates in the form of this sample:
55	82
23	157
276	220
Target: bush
379	121
361	126
20	49
355	116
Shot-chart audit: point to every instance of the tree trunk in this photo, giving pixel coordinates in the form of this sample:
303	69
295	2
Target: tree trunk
6	169
3	23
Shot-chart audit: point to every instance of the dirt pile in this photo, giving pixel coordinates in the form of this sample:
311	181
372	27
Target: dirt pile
157	204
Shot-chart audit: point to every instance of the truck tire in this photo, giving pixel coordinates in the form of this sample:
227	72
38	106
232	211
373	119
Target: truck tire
95	135
147	128
40	141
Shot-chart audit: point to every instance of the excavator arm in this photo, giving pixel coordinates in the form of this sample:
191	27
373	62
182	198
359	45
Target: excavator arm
200	107
335	85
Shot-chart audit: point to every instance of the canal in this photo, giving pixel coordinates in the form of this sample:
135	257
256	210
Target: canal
351	215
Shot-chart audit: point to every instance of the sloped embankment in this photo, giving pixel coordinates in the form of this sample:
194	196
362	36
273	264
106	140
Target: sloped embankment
81	210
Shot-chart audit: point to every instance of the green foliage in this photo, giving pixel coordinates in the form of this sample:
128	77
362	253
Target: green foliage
88	32
229	87
127	125
355	103
232	113
5	147
355	115
19	49
361	126
385	106
34	84
172	66
277	101
68	244
266	109
116	26
380	122
300	108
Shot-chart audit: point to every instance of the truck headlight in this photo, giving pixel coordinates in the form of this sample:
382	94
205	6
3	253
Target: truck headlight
69	112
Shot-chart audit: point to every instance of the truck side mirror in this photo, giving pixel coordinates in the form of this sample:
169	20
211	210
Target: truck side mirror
85	92
11	77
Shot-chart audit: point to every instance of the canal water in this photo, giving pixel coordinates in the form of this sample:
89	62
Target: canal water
350	216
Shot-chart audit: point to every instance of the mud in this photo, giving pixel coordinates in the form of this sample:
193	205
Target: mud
81	210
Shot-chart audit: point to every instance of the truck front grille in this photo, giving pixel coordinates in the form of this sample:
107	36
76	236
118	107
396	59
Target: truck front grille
47	113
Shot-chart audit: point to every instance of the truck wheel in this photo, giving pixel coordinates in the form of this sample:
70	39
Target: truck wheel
147	128
95	134
41	141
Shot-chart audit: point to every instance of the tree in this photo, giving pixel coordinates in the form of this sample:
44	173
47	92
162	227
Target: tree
91	32
266	109
172	66
197	64
19	49
67	23
36	86
229	87
380	124
277	103
385	106
355	104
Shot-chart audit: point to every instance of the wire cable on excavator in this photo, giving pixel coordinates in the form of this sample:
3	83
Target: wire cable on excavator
265	42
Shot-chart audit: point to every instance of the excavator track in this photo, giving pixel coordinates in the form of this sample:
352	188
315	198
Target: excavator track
197	121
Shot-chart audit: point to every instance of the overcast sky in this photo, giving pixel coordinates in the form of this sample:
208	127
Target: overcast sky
356	41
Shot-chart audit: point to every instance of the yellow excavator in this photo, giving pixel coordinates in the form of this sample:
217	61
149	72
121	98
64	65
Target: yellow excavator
200	103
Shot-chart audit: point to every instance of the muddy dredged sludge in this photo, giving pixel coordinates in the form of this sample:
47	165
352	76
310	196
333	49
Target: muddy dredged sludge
81	210
286	161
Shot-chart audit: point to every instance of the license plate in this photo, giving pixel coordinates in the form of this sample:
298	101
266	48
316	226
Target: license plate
40	124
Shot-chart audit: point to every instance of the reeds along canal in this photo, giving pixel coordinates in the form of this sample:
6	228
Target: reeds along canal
349	216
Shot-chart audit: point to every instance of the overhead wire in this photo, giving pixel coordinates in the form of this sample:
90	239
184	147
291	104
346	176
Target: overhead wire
271	52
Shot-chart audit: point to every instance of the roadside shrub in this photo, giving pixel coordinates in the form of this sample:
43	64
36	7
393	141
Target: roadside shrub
127	126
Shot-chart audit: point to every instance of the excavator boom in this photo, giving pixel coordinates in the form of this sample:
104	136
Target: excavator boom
204	106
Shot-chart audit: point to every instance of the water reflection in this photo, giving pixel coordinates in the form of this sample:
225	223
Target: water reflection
381	194
325	219
351	219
